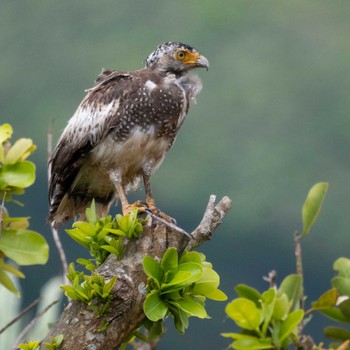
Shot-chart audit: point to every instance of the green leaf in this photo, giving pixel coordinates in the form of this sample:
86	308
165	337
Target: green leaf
268	300
251	343
312	205
90	213
245	313
342	265
79	237
19	175
180	319
20	150
116	232
232	335
216	295
248	292
169	260
326	300
194	269
109	285
209	282
123	222
191	257
191	307
86	228
177	282
152	269
344	307
334	314
342	284
290	324
6	132
281	307
337	333
292	286
11	269
24	247
5	280
154	307
207	286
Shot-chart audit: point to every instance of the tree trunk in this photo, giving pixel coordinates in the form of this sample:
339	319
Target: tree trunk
80	326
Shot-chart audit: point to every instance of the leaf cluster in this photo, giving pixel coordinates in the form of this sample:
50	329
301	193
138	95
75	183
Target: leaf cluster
103	236
179	287
335	303
16	173
275	318
17	242
89	289
54	344
269	319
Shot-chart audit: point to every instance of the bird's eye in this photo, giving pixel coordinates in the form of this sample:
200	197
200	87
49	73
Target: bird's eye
181	55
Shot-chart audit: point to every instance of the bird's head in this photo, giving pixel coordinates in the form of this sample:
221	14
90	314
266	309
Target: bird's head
176	58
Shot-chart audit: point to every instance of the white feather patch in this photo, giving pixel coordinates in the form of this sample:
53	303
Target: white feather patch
150	85
89	120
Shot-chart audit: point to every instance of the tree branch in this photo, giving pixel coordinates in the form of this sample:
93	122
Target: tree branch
80	326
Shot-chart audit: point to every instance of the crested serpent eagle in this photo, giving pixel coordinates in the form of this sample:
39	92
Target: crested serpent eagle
121	132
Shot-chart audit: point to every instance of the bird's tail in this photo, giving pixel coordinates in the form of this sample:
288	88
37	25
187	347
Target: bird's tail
72	207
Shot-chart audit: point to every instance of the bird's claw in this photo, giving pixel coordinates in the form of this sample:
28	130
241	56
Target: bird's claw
144	208
139	205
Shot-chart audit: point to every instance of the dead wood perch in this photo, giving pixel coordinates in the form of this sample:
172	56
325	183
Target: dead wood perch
79	325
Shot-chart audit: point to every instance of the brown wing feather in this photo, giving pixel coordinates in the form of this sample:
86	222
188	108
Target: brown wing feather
92	121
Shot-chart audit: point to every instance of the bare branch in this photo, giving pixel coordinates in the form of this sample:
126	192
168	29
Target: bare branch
31	325
80	326
212	218
21	314
2	211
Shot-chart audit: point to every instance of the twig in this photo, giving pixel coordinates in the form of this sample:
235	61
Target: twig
61	253
2	210
31	325
55	235
271	278
299	268
168	224
21	314
212	218
49	142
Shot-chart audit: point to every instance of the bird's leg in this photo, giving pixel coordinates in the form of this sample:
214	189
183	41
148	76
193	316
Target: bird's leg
149	196
123	200
150	200
126	206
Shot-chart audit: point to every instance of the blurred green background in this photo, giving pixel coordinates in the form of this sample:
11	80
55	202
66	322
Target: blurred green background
272	119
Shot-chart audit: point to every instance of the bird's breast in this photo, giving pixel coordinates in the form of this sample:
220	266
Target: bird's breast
141	151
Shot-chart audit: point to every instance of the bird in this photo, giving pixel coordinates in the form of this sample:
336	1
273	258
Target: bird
121	132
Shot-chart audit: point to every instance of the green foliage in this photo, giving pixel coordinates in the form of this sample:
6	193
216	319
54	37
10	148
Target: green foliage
16	173
179	287
268	320
335	303
312	205
90	290
104	236
55	342
17	242
29	345
275	318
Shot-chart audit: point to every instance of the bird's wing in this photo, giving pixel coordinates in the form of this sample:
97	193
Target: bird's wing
92	121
